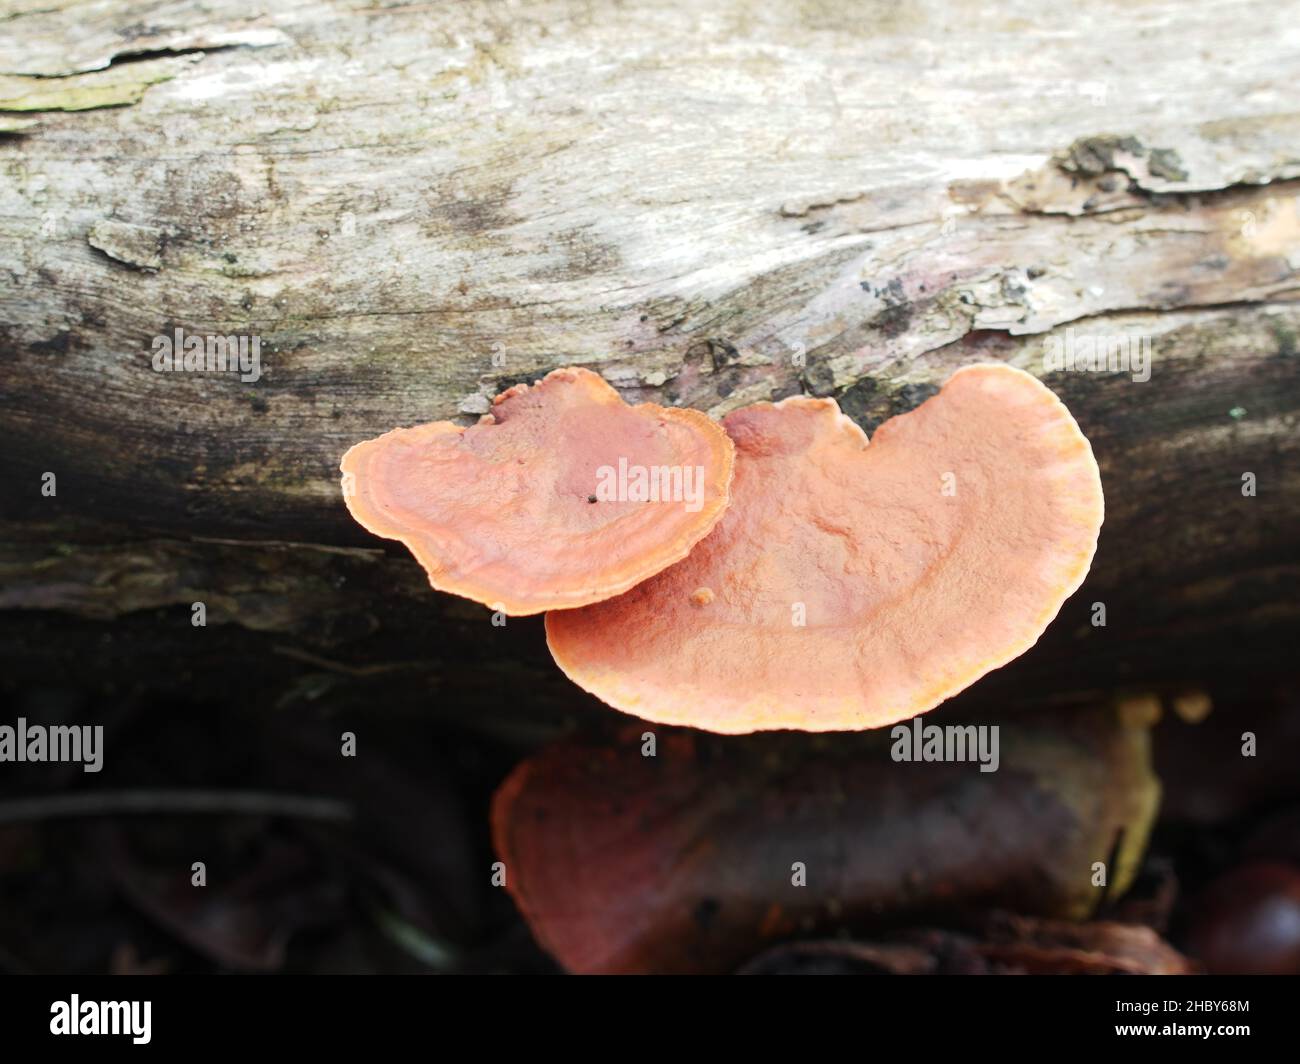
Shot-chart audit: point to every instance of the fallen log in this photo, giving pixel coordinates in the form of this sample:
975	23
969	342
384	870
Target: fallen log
410	208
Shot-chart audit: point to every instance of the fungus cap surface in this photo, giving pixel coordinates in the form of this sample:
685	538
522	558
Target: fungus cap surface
852	585
523	511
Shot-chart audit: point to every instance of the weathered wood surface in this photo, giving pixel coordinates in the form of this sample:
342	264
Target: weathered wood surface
415	205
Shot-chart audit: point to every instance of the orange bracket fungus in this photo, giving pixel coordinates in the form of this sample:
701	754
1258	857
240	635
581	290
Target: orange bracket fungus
562	496
851	586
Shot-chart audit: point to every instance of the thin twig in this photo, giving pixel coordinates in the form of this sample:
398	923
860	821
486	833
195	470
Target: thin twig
110	803
309	658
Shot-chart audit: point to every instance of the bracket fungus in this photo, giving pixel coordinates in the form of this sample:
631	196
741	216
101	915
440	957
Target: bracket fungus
853	586
562	496
696	859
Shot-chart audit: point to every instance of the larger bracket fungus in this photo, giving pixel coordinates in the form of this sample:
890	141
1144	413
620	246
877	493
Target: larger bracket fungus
851	586
534	508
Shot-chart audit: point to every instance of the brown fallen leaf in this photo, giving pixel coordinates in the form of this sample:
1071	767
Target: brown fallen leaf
260	891
126	960
1008	945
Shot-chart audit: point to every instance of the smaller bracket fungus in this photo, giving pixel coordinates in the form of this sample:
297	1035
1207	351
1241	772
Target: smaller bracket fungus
853	586
562	496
